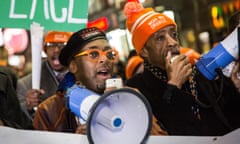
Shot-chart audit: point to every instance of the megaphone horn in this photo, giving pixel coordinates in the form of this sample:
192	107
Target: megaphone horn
119	116
220	56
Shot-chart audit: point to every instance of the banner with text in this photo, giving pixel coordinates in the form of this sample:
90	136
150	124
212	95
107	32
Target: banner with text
62	15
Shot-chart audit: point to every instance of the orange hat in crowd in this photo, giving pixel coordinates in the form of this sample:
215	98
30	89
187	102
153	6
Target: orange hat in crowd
143	22
131	65
56	37
191	54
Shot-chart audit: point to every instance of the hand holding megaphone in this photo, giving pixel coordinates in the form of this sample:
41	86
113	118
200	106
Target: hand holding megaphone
81	129
178	69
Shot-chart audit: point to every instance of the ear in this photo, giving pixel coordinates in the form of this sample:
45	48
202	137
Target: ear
73	67
144	52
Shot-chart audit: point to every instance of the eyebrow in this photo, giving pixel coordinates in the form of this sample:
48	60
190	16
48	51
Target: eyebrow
92	47
159	32
97	47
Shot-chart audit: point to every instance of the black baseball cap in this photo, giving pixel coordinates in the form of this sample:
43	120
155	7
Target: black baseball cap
77	41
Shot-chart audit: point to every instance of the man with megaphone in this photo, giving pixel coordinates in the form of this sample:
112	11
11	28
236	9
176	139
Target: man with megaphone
90	60
182	98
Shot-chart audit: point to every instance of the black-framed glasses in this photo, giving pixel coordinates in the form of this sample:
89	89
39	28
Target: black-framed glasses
94	54
53	45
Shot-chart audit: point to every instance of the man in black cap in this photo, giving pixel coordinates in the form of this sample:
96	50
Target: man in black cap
90	60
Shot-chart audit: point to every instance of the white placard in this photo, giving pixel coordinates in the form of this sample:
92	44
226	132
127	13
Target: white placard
36	46
13	136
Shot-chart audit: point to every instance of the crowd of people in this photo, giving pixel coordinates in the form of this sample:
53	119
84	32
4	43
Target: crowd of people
183	101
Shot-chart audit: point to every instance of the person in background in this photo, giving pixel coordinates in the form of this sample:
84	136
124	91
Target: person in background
182	99
90	60
233	22
51	73
119	70
12	74
132	53
134	66
11	114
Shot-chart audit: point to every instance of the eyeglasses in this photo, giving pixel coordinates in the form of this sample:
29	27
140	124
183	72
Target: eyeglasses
54	45
94	54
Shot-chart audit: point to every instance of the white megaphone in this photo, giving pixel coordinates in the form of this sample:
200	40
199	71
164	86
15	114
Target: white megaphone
220	56
121	116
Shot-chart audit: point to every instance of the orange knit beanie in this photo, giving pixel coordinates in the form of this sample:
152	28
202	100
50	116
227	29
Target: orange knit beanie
143	22
131	65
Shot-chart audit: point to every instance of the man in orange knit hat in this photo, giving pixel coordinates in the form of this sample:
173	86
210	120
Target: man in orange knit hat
51	73
134	66
182	99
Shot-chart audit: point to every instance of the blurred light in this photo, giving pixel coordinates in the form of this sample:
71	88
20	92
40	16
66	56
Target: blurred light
237	4
3	62
43	54
159	8
214	12
219	11
221	22
15	40
170	14
205	40
142	1
16	60
216	23
204	37
101	23
117	39
225	8
231	7
217	16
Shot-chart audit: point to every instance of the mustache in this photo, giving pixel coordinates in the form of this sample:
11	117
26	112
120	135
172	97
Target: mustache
175	52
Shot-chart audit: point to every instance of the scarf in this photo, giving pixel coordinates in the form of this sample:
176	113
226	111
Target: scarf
162	75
